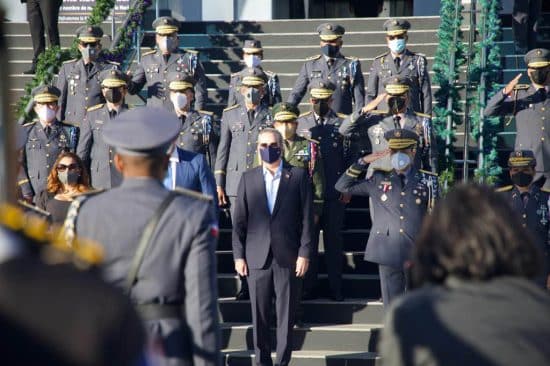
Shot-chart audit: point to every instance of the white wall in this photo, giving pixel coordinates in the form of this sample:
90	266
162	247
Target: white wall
15	11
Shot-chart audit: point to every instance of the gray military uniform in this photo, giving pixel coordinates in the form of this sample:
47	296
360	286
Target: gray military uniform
237	148
345	73
153	69
199	134
531	108
177	271
80	89
41	151
273	89
95	153
414	67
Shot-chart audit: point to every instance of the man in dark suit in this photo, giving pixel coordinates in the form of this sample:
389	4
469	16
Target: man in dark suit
272	242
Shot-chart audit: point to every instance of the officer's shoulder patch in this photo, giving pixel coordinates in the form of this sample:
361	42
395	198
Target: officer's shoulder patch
194	194
422	115
192	51
149	53
70	61
316	57
382	55
427	172
206	112
382	170
95	107
379	111
342	115
505	188
230	108
305	114
29	124
521	87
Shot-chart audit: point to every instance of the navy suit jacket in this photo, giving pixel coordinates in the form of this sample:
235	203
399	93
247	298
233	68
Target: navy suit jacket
287	232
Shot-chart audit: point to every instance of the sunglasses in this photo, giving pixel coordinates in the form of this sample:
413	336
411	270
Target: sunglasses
265	145
401	36
63	167
91	44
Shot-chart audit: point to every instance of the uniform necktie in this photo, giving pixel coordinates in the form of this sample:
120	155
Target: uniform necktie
403	180
330	62
48	131
543	94
112	113
525	198
397	62
166	57
251	115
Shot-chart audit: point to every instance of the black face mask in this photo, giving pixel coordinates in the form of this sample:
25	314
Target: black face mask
522	179
539	76
321	108
113	95
330	50
270	154
397	104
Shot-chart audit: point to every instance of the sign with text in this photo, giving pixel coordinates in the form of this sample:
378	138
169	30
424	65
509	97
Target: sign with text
78	10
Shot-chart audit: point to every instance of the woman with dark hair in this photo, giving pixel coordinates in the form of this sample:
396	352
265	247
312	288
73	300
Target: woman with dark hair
67	179
475	302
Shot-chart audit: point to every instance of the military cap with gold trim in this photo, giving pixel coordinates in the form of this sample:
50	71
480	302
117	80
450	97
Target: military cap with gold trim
253	76
399	139
522	158
285	112
321	89
537	58
396	85
252	46
330	31
89	33
180	81
165	25
395	27
45	94
112	78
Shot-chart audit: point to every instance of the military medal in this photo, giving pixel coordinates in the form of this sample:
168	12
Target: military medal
418	201
384	196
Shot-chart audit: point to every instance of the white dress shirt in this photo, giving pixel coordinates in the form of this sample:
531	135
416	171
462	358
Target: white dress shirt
272	185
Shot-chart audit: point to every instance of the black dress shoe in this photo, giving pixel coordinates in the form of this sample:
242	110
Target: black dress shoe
30	71
243	295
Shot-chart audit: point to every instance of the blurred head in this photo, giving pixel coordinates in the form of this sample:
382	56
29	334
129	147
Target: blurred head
473	234
396	34
68	170
538	65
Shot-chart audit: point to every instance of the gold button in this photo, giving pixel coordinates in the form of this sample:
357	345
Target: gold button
47	166
110	150
401	205
402	193
401	218
47	155
181	133
248	143
401	231
247	155
542	138
110	161
181	143
543	109
47	145
524	216
542	128
85	98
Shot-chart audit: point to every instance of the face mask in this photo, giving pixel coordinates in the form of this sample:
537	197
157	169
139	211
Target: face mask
252	96
397	104
89	53
167	44
113	95
179	100
522	179
252	60
400	161
330	50
69	177
321	108
45	114
397	45
538	76
288	130
270	154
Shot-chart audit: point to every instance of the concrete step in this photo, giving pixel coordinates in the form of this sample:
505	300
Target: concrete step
351	311
68	29
309	337
308	358
353	285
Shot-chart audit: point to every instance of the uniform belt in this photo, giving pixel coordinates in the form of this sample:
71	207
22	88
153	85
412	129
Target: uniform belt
159	311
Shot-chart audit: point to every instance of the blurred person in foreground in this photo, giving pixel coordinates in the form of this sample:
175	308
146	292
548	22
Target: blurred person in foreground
476	303
67	179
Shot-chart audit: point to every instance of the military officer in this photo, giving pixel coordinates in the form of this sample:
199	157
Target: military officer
400	115
78	79
46	138
173	282
532	205
95	153
344	72
401	197
198	132
400	61
321	124
252	57
530	106
151	71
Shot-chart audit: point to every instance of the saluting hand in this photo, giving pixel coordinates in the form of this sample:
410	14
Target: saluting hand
373	104
241	267
367	159
302	264
509	88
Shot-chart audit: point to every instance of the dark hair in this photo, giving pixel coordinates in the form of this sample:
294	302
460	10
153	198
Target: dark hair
55	186
473	234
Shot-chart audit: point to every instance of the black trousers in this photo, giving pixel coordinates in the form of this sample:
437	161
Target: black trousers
43	16
273	280
330	222
524	23
393	282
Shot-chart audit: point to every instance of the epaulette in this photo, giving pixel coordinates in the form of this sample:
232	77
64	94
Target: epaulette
428	172
206	112
235	74
149	52
232	107
311	140
505	188
71	60
29	124
382	55
546	190
316	57
95	107
194	194
351	58
70	123
342	115
422	115
192	51
305	114
378	111
270	73
382	170
522	87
